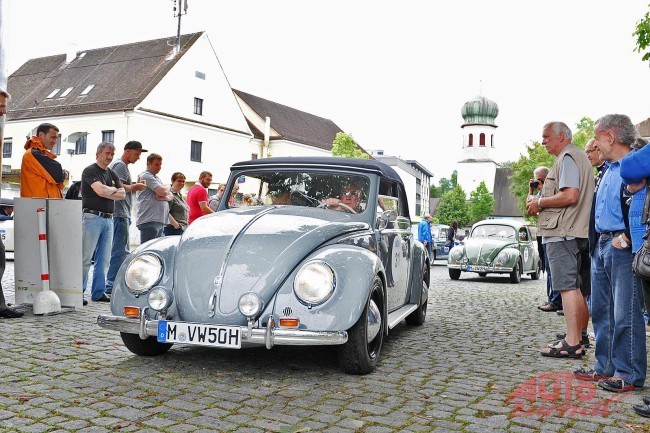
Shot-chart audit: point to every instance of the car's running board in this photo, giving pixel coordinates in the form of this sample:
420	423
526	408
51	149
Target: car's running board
398	315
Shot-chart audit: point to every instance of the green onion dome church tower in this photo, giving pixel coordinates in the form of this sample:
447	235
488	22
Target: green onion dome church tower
479	137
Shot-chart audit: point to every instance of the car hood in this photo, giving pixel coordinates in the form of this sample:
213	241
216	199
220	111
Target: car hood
481	251
223	255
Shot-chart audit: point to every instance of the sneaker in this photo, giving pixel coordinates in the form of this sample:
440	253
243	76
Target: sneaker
104	298
560	312
616	385
9	313
590	375
548	307
85	302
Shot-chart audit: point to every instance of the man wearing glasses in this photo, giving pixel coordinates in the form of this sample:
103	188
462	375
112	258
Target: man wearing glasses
349	199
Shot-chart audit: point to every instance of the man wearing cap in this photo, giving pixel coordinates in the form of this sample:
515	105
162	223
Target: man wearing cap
6	209
424	234
122	213
100	186
5	312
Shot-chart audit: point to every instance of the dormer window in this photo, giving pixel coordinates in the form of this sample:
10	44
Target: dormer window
87	89
82	55
66	92
51	95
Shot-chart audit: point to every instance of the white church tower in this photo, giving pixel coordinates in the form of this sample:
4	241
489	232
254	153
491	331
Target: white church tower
477	163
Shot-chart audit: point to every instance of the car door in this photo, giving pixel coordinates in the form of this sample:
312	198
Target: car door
526	248
396	244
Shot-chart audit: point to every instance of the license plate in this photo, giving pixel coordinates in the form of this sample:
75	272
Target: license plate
203	335
477	268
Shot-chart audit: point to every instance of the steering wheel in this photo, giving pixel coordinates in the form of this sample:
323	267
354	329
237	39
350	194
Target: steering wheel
345	207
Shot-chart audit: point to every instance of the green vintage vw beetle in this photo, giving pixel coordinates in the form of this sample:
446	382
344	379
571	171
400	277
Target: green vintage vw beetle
497	246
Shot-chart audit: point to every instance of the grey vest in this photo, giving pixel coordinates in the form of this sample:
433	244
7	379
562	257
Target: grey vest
571	220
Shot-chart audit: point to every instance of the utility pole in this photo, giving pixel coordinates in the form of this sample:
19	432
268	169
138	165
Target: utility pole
182	10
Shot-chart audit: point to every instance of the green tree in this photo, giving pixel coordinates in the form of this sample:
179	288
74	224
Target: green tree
642	34
481	203
453	206
344	146
584	132
434	191
445	185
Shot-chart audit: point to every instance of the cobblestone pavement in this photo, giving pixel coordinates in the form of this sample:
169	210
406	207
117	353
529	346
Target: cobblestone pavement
473	366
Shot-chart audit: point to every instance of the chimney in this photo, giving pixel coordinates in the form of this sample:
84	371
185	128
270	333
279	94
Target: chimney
71	53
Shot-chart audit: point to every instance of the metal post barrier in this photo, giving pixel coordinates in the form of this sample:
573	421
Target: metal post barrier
46	301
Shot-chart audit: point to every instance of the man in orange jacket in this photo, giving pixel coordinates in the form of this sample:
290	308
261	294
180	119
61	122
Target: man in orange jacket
40	175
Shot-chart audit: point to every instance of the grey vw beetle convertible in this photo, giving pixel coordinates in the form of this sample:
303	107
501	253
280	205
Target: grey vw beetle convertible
308	251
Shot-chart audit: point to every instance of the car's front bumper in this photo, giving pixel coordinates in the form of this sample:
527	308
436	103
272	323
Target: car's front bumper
261	336
480	268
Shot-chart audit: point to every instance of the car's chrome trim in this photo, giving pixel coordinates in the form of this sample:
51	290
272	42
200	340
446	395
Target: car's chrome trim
259	336
400	314
490	270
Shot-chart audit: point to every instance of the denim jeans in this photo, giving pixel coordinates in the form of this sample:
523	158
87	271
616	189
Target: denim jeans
121	248
97	239
150	230
617	314
171	231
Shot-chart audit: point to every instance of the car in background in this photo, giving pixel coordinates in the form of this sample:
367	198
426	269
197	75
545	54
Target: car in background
439	235
7	225
497	246
289	266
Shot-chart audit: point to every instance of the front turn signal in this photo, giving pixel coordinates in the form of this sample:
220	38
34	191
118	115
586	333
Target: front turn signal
132	311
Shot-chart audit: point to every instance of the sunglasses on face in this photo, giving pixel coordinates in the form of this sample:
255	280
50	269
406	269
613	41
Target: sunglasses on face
350	194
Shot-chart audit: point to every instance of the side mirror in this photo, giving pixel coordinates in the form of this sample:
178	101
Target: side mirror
384	218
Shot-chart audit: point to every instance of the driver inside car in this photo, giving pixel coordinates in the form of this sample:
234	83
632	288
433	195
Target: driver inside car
350	197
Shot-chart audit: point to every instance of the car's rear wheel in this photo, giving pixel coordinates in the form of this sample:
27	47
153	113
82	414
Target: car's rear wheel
515	275
148	347
418	317
454	274
360	353
535	275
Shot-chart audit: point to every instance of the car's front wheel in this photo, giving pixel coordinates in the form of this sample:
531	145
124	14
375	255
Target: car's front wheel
148	347
515	275
360	353
454	274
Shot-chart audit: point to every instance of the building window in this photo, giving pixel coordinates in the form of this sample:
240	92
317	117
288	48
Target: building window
198	106
253	155
482	144
80	145
6	150
57	147
199	75
51	95
418	181
66	92
471	140
87	89
492	140
195	151
108	136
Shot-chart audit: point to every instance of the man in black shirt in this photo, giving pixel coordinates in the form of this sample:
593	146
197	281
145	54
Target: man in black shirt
101	187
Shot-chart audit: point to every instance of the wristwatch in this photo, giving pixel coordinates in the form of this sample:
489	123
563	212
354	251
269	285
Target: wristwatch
622	241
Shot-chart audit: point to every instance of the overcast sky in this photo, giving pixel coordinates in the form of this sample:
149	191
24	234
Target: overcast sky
394	74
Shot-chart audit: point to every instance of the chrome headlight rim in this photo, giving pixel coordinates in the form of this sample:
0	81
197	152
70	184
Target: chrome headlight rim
159	298
153	282
456	253
250	304
327	289
502	258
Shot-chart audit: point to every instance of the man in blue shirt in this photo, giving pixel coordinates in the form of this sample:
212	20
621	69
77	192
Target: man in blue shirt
424	234
616	300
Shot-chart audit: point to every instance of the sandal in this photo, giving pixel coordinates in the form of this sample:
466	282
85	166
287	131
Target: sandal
566	351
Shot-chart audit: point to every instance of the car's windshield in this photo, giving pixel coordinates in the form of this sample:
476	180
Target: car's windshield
339	192
493	230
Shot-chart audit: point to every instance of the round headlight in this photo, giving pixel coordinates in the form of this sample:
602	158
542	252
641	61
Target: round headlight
503	257
250	304
159	299
314	283
456	253
143	273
